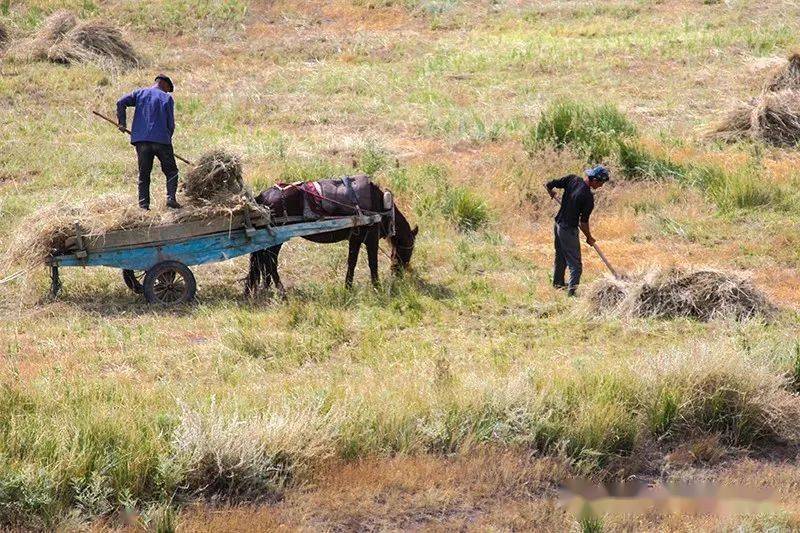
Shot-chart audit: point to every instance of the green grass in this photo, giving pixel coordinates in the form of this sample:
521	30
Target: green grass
594	131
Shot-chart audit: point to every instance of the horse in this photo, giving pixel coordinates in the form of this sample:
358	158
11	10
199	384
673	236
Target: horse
289	201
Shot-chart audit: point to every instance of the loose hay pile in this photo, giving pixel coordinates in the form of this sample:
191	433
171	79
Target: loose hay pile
773	117
216	176
214	188
64	39
784	77
671	293
47	230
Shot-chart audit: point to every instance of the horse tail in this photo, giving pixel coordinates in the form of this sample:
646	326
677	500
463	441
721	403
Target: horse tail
259	270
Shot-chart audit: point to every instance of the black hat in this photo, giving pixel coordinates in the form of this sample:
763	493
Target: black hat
167	80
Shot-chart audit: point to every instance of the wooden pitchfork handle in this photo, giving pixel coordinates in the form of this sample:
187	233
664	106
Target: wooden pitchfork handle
599	252
129	133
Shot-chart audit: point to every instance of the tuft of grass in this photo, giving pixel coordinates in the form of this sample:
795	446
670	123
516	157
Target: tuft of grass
466	209
637	162
592	130
744	188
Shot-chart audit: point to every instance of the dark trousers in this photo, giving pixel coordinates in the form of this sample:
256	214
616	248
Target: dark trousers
145	153
568	254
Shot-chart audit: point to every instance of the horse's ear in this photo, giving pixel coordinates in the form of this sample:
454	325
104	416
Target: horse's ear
415	231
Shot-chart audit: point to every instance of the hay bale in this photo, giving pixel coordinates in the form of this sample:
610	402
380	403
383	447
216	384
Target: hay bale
700	294
216	177
94	42
776	118
785	76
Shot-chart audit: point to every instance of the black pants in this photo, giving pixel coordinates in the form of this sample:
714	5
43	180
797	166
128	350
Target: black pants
568	254
145	152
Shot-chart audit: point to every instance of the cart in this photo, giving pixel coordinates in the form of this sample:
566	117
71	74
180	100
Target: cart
155	261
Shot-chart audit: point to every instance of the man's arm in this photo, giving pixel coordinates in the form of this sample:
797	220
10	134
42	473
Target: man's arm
129	100
588	232
559	183
171	116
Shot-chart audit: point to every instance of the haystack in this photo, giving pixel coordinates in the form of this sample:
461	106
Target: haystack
699	294
775	119
216	177
735	125
96	42
785	76
63	39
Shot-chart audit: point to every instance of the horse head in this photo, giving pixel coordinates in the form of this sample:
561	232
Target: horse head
402	242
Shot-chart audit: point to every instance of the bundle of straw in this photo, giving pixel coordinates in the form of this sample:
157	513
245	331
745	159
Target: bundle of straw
63	39
216	177
700	294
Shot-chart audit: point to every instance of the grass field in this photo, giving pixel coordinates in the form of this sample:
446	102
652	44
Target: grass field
462	395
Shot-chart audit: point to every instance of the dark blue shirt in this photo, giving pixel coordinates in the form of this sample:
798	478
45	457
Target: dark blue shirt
154	118
577	202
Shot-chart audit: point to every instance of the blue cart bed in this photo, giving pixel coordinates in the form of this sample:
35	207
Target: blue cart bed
155	260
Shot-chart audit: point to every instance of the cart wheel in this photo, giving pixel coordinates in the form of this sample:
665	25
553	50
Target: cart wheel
133	279
169	283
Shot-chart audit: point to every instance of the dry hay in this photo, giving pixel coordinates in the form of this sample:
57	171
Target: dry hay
784	77
52	31
775	119
48	229
216	176
736	123
63	39
670	293
94	42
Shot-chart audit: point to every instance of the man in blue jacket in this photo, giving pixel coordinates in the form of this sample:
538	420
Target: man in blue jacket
151	134
577	203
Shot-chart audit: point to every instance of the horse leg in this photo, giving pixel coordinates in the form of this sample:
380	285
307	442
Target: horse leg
372	255
253	275
352	258
264	259
272	253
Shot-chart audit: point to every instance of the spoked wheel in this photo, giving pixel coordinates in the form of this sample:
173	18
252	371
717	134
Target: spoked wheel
169	283
133	279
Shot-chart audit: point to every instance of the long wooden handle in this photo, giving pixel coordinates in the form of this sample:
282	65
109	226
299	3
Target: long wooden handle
605	261
129	133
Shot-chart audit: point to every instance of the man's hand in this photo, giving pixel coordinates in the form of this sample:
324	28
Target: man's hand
122	128
590	240
551	192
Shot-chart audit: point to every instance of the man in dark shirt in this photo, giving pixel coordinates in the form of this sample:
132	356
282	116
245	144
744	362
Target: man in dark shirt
151	134
577	203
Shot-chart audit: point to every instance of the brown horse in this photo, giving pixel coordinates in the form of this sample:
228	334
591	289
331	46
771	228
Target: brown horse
288	201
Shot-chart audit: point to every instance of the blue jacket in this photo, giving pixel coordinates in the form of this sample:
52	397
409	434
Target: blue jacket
154	118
